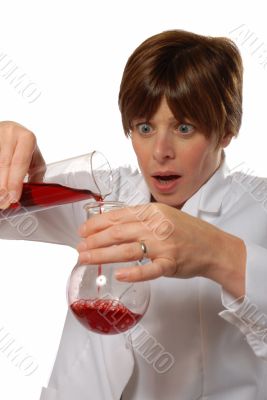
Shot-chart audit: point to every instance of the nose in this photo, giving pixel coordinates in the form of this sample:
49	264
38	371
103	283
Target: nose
163	148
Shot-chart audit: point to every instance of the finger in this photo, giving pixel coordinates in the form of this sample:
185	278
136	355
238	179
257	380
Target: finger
37	167
122	253
114	217
4	199
6	154
20	163
117	234
153	270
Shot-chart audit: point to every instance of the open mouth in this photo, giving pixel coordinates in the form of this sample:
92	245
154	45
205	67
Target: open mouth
166	179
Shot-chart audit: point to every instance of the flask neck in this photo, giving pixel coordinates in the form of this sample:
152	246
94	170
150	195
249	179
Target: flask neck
100	207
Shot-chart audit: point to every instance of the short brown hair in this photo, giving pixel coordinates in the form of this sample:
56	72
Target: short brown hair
200	77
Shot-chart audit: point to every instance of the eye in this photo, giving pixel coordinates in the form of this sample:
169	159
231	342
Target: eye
144	128
185	128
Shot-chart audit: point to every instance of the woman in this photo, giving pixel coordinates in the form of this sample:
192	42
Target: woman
181	105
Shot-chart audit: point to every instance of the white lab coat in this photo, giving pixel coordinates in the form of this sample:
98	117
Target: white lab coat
216	348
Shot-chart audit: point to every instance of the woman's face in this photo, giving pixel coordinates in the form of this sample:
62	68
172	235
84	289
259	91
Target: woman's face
174	157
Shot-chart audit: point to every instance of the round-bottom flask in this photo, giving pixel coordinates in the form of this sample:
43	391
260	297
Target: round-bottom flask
97	299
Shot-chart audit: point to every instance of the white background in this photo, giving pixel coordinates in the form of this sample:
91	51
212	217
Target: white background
75	52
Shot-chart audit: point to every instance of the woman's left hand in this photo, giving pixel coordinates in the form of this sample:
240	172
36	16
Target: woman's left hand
178	245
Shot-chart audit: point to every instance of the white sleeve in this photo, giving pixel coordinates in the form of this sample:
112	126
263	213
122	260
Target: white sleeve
56	225
249	314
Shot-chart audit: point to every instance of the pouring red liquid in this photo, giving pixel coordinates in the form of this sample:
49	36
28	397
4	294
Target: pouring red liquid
41	195
51	194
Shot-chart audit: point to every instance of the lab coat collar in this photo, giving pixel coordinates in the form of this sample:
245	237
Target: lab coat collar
212	193
209	198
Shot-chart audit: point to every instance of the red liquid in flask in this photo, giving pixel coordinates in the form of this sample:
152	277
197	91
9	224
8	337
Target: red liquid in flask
104	316
42	195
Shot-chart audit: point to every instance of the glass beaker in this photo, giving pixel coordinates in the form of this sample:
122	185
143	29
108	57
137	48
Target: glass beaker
97	299
66	181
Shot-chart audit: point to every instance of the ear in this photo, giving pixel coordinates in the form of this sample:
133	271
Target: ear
226	140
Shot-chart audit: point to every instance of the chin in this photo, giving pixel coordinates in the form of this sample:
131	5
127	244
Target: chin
169	200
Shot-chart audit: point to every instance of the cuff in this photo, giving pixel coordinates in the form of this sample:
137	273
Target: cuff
249	313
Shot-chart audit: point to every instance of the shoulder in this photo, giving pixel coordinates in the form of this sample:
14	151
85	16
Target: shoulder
251	189
245	205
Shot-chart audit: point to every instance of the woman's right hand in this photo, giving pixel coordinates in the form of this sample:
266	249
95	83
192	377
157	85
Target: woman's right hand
19	155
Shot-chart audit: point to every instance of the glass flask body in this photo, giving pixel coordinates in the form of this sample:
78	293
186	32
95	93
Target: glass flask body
98	300
66	181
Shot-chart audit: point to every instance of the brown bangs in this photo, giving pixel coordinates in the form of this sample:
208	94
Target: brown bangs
200	77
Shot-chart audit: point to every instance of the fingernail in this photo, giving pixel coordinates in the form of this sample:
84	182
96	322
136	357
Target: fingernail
122	275
4	206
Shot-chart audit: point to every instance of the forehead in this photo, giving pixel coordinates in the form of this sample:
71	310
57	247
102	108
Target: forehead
162	114
164	110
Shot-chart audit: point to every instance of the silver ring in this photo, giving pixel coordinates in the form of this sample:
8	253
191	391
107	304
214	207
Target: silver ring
143	248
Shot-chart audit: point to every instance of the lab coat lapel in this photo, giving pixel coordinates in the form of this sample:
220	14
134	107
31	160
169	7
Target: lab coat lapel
212	198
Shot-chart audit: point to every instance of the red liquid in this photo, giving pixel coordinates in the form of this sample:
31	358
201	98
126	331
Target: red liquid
38	195
99	269
104	316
